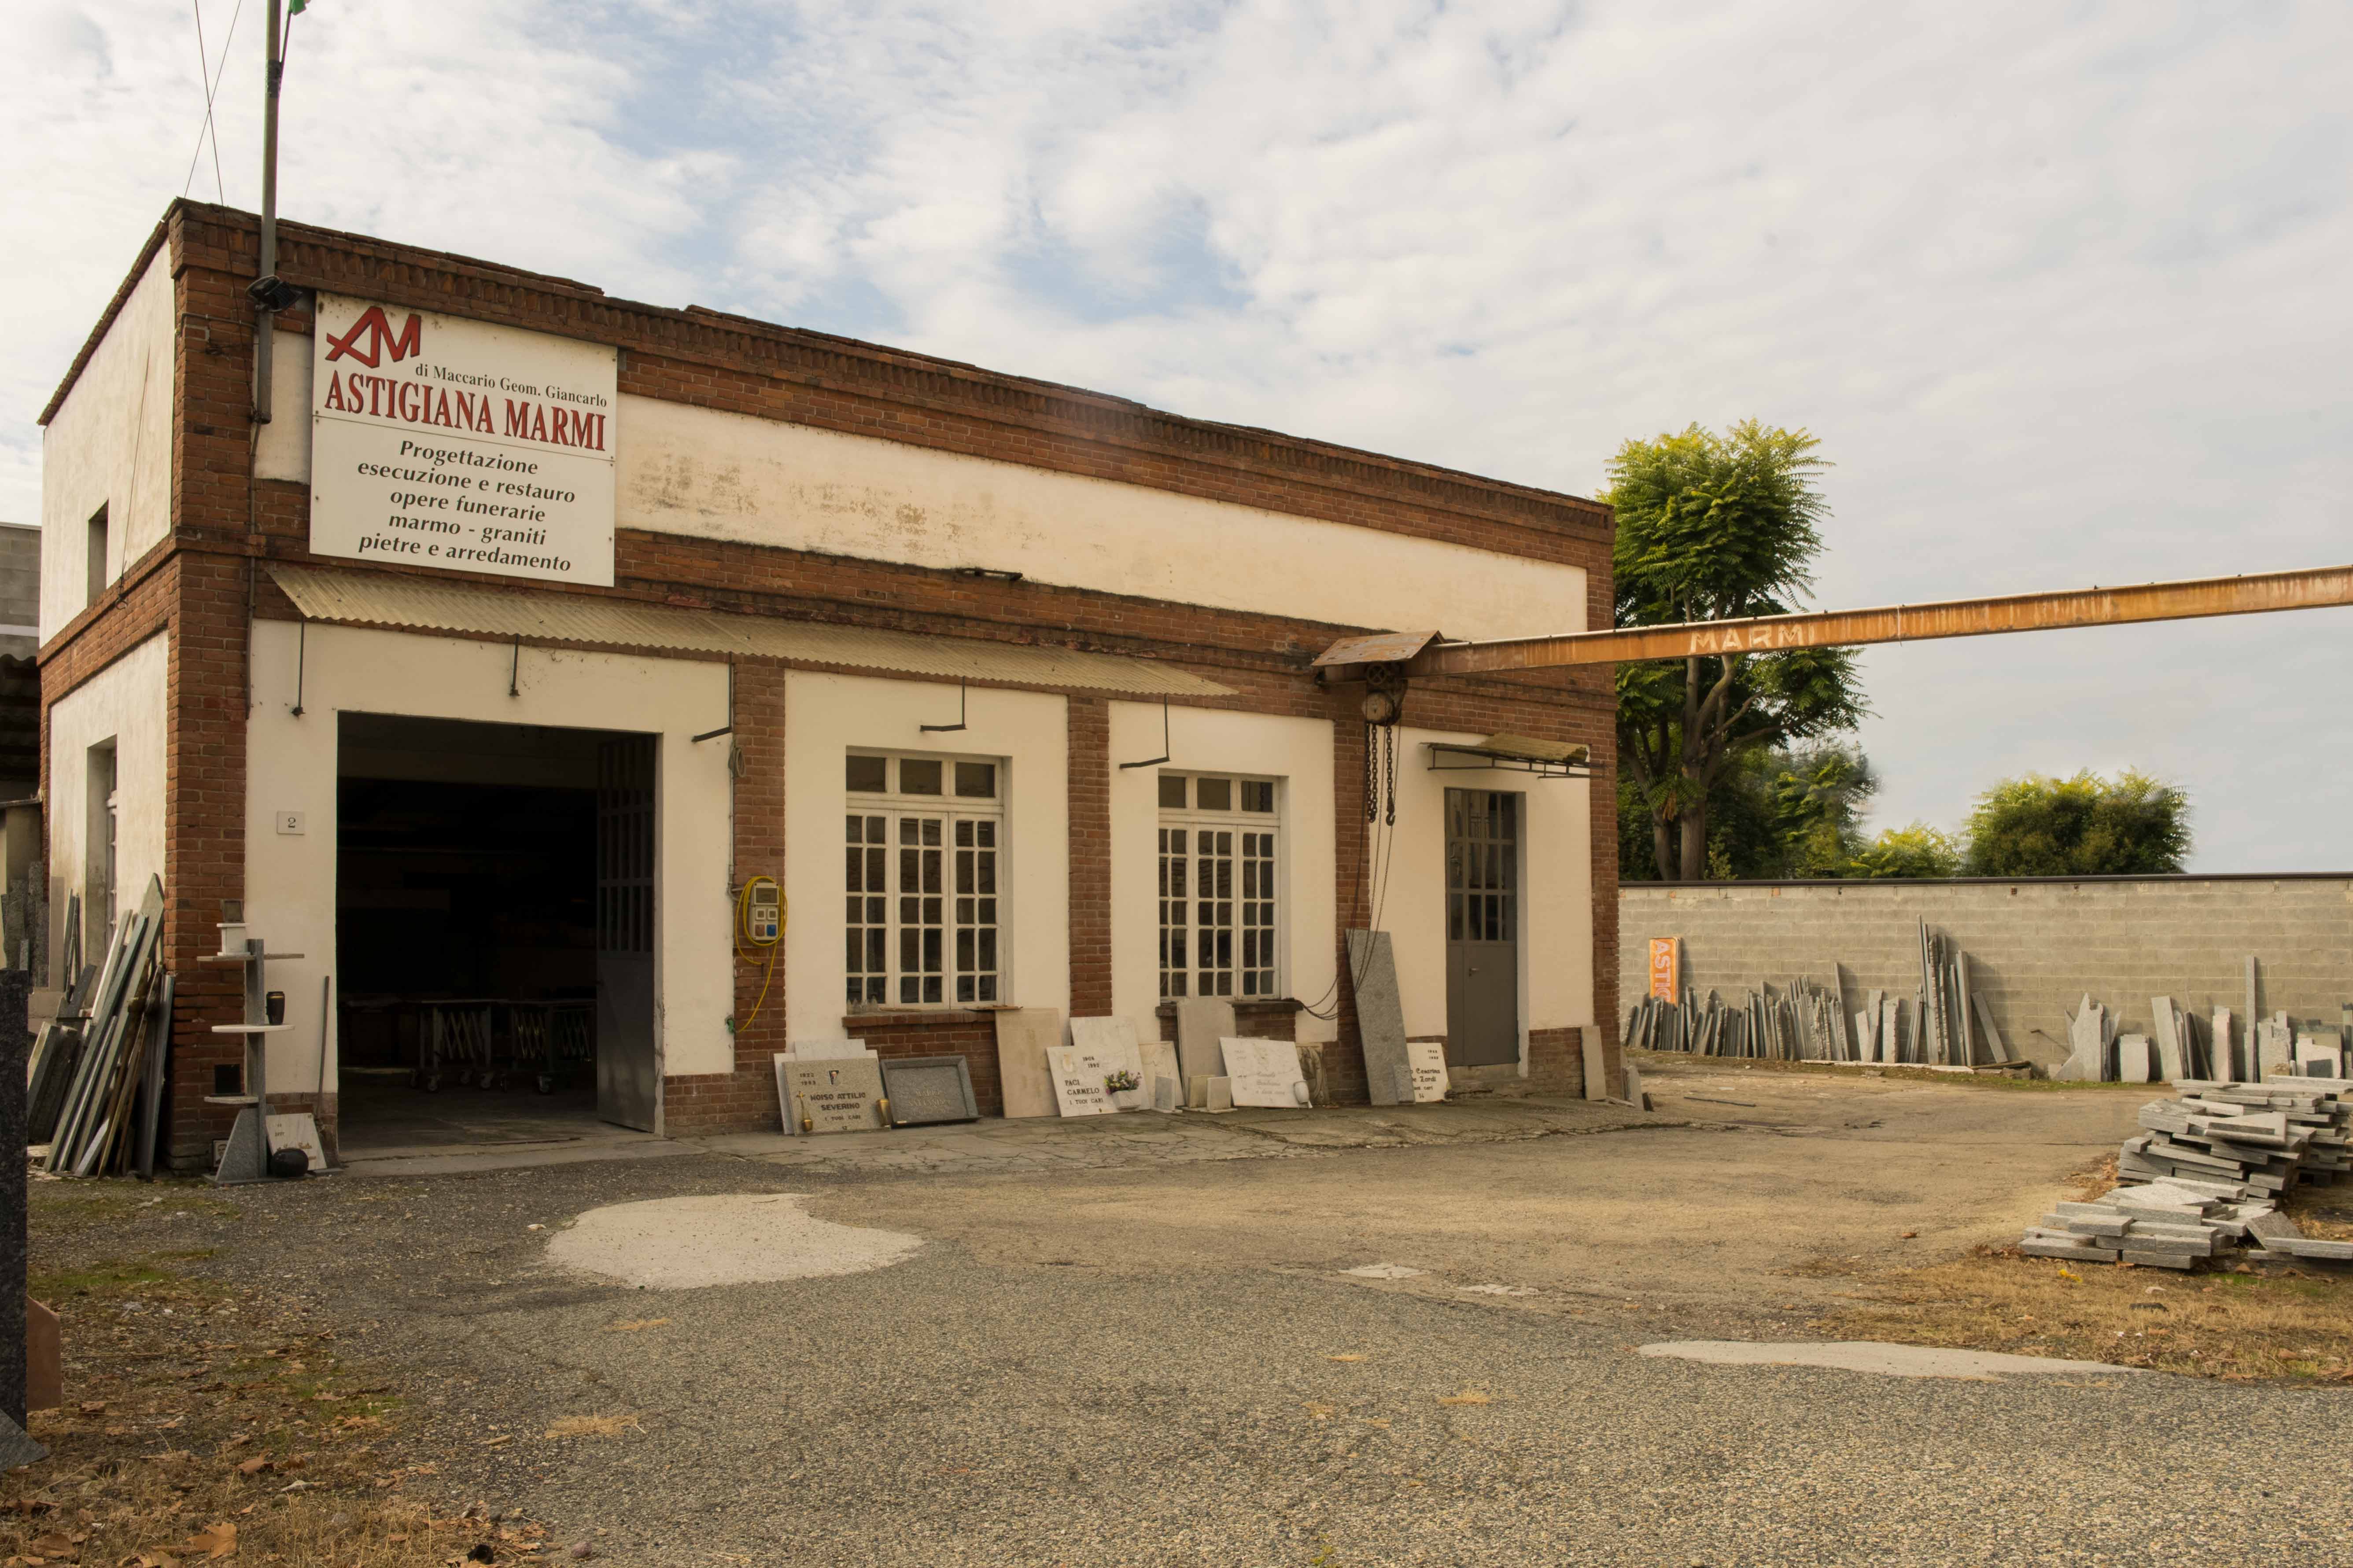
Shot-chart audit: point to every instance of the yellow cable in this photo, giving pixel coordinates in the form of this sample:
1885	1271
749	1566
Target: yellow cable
763	997
736	941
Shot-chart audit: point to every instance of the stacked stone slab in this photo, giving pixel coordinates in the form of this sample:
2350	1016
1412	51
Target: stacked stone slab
1943	1025
2162	1224
1802	1023
2265	1136
2203	1178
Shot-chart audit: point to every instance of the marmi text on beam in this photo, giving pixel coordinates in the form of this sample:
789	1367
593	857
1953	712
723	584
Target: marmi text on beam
1427	654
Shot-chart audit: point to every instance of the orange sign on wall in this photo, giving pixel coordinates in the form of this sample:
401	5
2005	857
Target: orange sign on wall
1666	967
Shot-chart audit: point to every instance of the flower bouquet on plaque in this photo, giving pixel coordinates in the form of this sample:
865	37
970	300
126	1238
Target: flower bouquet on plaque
1122	1082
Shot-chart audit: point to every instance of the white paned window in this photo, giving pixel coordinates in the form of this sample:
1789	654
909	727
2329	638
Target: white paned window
1219	910
924	843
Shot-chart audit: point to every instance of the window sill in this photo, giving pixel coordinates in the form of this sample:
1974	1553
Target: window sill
1264	1006
936	1013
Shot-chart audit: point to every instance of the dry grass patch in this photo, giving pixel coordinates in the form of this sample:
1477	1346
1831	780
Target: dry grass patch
207	1422
2324	1213
2093	1183
593	1426
2237	1326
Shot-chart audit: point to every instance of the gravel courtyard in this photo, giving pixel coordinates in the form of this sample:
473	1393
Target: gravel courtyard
1359	1337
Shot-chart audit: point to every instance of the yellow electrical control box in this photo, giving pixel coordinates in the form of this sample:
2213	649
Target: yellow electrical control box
764	911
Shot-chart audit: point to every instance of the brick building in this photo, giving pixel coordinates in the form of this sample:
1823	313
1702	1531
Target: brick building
535	626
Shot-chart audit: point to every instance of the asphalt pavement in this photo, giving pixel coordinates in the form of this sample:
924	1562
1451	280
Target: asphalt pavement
1172	1364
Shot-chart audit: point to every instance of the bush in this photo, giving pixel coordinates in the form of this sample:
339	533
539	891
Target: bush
2080	827
1918	850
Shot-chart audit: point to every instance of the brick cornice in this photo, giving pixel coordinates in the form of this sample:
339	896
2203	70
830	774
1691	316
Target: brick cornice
127	589
1145	446
736	577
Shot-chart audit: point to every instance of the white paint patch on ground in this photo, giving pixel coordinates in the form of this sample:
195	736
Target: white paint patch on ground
743	1238
1865	1355
1385	1271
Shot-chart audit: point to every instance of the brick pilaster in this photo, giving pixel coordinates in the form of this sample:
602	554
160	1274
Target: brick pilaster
1089	790
746	1099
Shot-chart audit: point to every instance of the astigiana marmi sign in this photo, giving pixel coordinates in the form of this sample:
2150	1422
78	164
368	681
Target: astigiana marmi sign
438	441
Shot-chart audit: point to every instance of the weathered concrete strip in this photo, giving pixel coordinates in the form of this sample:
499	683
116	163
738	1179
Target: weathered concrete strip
1869	1355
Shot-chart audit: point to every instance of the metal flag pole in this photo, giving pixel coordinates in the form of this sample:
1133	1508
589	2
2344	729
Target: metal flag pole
267	291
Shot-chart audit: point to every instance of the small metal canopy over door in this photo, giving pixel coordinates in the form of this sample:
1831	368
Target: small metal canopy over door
627	1075
1483	928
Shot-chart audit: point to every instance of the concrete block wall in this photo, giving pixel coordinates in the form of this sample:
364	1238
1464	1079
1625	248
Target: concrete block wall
2035	945
20	588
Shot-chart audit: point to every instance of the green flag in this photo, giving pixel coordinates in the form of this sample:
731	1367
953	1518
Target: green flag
296	8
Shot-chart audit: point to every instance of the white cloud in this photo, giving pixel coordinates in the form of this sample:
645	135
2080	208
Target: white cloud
2059	289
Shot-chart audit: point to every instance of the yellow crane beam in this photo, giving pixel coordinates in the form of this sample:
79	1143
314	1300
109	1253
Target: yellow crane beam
1425	654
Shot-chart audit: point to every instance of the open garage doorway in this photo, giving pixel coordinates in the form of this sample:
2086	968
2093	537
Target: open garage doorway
494	933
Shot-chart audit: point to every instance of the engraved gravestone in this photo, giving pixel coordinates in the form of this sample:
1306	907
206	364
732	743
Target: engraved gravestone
842	1094
1113	1042
1427	1059
1078	1077
1264	1073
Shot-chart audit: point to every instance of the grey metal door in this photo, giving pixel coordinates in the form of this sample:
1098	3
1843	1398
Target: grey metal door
628	1074
1482	927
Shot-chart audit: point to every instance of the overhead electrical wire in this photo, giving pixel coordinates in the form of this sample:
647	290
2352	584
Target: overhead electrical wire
209	79
1380	854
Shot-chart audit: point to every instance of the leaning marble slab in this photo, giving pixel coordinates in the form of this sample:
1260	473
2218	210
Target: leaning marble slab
1265	1073
1078	1076
1112	1040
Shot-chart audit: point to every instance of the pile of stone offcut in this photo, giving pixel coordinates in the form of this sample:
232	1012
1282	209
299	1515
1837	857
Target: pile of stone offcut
2265	1136
2163	1225
2203	1181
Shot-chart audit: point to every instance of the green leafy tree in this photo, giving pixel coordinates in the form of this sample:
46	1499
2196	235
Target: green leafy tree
1715	527
1818	793
2080	827
1777	814
1916	851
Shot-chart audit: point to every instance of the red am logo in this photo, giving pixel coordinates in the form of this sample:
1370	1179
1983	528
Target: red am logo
371	337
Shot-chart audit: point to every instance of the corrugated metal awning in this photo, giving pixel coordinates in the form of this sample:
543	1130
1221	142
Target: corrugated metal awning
1546	759
419	604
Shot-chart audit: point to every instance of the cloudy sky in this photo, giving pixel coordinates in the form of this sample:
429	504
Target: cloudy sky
2064	289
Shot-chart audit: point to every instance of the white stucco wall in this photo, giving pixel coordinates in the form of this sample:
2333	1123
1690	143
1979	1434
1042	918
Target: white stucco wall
284	449
290	880
126	702
711	473
110	445
1297	751
716	475
1556	959
824	716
